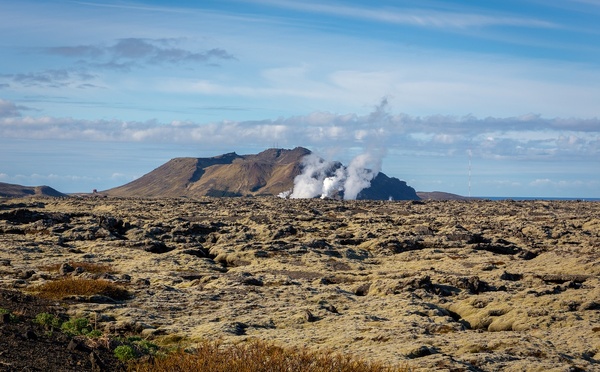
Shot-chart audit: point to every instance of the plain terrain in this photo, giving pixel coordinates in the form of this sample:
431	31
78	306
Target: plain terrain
436	285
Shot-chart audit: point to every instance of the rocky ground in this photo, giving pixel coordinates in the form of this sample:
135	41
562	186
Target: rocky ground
437	285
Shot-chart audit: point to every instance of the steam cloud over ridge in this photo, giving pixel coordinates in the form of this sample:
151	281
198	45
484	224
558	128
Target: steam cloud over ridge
330	179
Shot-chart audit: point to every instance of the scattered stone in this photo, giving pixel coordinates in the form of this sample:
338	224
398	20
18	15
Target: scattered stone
65	269
591	305
420	352
473	284
285	231
511	277
198	252
75	344
309	317
330	308
362	290
24	274
236	328
30	335
157	247
563	278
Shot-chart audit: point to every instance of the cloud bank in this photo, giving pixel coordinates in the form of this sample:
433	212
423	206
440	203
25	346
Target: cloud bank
524	137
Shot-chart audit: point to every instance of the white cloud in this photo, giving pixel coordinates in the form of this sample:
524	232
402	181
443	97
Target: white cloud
527	137
411	17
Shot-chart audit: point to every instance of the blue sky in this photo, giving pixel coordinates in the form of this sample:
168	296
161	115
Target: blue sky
95	94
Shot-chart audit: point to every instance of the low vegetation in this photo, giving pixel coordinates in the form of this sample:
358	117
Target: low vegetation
73	286
142	355
256	356
10	316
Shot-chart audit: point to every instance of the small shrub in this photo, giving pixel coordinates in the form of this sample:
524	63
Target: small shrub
49	321
76	327
124	353
146	347
62	288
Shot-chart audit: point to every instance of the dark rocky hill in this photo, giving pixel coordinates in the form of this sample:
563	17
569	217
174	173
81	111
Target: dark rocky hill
9	190
270	172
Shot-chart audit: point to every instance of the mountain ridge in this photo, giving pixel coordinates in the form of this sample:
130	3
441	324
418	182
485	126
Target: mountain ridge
10	190
270	172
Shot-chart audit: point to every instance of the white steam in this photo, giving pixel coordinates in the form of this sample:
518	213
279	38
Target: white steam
309	183
361	171
330	179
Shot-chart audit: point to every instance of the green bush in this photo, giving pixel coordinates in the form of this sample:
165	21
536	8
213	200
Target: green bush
147	347
124	353
49	321
76	327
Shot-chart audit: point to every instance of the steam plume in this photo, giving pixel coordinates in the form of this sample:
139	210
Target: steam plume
329	179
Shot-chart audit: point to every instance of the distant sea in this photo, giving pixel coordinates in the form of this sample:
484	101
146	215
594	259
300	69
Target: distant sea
520	198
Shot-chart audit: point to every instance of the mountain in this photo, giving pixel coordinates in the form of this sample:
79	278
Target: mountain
9	190
270	172
388	188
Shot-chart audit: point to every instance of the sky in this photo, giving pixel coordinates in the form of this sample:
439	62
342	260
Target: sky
486	98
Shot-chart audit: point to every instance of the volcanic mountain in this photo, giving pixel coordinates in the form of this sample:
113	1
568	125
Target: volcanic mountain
270	172
9	190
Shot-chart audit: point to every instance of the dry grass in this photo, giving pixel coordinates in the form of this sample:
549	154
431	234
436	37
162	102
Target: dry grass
257	356
62	288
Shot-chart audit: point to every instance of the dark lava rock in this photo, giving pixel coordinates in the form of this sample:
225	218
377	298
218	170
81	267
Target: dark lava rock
198	252
157	247
75	344
309	316
65	269
115	226
473	284
236	328
285	231
318	244
421	352
25	216
25	274
363	289
399	246
511	277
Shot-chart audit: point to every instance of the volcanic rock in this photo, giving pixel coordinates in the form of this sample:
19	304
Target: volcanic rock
429	285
